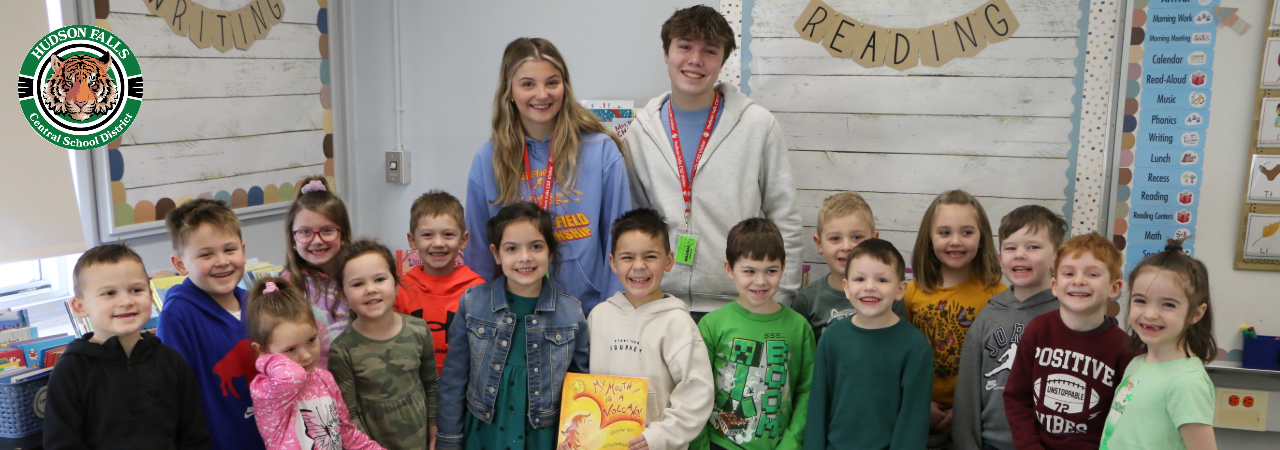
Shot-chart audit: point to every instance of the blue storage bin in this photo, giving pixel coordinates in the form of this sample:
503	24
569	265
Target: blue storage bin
1262	353
22	407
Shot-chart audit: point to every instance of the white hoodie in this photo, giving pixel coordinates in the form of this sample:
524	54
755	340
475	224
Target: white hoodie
658	341
744	173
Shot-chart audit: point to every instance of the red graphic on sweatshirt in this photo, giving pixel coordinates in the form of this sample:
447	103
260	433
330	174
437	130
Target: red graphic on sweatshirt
237	363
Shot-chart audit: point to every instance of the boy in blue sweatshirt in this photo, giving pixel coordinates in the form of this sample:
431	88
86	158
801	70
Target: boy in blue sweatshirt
203	318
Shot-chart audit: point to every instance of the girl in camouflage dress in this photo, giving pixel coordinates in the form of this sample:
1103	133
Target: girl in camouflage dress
384	362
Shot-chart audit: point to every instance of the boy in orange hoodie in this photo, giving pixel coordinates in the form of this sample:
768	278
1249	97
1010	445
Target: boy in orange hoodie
431	291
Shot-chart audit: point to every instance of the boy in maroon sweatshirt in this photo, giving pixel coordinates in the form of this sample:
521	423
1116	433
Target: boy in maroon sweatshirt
1069	361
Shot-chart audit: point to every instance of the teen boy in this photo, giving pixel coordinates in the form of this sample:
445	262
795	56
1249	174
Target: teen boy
1069	361
873	380
204	318
645	333
1029	235
844	221
761	351
706	156
437	230
118	387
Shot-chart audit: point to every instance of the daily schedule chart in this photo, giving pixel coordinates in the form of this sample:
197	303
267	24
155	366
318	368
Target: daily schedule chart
1169	91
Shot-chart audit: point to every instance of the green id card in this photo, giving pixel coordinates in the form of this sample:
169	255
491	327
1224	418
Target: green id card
685	247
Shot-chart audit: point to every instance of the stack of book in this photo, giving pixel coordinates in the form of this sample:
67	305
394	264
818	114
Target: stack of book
160	287
256	270
32	358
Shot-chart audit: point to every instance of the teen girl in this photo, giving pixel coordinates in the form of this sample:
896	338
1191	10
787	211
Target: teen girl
956	270
385	363
511	343
318	227
548	149
1165	400
297	405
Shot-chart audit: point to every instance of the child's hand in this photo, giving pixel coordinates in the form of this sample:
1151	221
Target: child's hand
945	424
638	443
431	431
936	414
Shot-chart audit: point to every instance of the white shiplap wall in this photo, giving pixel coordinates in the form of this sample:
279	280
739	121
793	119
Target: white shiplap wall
995	125
217	121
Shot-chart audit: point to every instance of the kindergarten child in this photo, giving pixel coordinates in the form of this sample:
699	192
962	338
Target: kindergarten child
1165	399
875	368
1029	236
385	362
642	332
548	149
204	318
956	271
1066	367
318	227
761	351
511	343
706	156
844	221
105	370
431	291
297	405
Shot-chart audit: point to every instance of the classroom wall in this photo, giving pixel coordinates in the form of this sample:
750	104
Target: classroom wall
613	50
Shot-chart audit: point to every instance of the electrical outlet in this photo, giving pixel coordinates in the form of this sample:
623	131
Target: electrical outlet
1241	409
397	167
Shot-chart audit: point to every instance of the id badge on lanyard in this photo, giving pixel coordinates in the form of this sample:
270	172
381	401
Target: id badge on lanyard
686	241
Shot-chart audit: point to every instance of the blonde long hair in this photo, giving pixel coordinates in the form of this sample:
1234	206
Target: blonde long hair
508	136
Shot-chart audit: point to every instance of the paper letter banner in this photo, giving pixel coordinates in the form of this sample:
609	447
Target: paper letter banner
846	37
220	29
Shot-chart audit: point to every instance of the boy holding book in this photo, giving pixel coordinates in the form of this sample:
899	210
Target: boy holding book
645	333
118	387
761	351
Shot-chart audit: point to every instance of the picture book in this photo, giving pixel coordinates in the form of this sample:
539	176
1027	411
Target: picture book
601	411
32	340
160	287
35	352
10	319
17	334
6	377
29	375
52	355
12	355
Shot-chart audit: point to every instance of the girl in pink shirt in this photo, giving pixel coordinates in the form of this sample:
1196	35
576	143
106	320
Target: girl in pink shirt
296	404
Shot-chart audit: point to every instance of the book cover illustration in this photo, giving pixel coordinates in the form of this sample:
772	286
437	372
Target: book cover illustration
600	411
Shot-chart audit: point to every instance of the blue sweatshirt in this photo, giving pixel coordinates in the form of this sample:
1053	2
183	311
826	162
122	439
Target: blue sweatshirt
584	214
216	346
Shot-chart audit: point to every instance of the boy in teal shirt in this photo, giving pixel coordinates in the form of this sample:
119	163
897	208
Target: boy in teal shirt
873	381
761	351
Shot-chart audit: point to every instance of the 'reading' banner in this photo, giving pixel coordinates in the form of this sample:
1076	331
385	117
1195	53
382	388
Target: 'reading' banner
871	46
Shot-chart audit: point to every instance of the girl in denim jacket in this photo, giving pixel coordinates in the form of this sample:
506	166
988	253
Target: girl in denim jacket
511	343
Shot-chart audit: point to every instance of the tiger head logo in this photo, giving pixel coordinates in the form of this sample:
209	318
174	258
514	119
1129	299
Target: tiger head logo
80	87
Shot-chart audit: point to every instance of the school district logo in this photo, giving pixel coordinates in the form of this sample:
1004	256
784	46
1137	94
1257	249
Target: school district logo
80	87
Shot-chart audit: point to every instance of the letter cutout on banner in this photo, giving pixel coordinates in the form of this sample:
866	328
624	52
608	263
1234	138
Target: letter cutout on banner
815	20
837	41
871	46
222	30
999	21
903	53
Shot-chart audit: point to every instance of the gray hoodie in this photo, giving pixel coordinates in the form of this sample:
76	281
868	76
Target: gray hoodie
744	173
988	354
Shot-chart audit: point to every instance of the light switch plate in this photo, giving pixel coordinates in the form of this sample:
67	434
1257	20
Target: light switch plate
397	167
1241	409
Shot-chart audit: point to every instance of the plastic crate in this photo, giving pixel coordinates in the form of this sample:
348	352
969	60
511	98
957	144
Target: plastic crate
22	407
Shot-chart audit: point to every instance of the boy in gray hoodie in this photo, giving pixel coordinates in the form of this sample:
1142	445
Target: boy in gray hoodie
1029	236
707	157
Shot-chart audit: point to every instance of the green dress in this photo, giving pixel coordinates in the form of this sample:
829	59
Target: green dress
389	386
511	429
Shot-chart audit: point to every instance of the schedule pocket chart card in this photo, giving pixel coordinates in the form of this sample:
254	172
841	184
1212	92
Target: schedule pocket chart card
1171	89
1264	179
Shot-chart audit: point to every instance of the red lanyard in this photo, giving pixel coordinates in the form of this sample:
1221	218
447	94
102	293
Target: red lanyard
686	181
545	201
